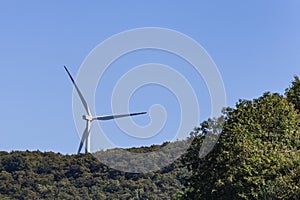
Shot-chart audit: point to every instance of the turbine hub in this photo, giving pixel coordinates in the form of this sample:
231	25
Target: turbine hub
87	117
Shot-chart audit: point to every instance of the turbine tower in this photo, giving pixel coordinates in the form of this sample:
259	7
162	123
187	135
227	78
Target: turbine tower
89	118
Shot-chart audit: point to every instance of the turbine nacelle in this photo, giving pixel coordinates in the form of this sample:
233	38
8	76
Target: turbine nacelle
87	117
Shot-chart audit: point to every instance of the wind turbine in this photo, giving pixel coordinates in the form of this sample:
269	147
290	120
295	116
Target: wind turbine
89	118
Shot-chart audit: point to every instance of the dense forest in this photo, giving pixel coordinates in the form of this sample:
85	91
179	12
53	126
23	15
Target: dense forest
256	156
47	175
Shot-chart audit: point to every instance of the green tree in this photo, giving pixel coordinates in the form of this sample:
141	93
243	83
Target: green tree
38	175
293	92
256	157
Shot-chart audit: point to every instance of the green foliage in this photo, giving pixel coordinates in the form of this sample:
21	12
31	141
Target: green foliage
257	155
37	175
293	92
157	157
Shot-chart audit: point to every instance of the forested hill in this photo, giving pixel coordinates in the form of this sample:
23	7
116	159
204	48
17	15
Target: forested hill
48	175
255	155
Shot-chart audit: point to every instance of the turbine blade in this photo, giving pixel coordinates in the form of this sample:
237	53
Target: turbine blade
109	117
79	93
84	136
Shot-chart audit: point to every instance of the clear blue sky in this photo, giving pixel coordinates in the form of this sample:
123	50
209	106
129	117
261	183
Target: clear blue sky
255	45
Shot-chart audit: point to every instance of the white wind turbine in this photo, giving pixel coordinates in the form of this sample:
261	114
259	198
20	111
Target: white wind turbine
89	118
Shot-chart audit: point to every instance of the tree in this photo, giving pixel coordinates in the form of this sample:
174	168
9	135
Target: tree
293	92
256	157
47	175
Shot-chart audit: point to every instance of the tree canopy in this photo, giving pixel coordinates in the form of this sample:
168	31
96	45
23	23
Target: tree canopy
293	92
47	175
257	155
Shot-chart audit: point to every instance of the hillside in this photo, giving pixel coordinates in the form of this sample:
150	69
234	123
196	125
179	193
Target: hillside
256	155
38	175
